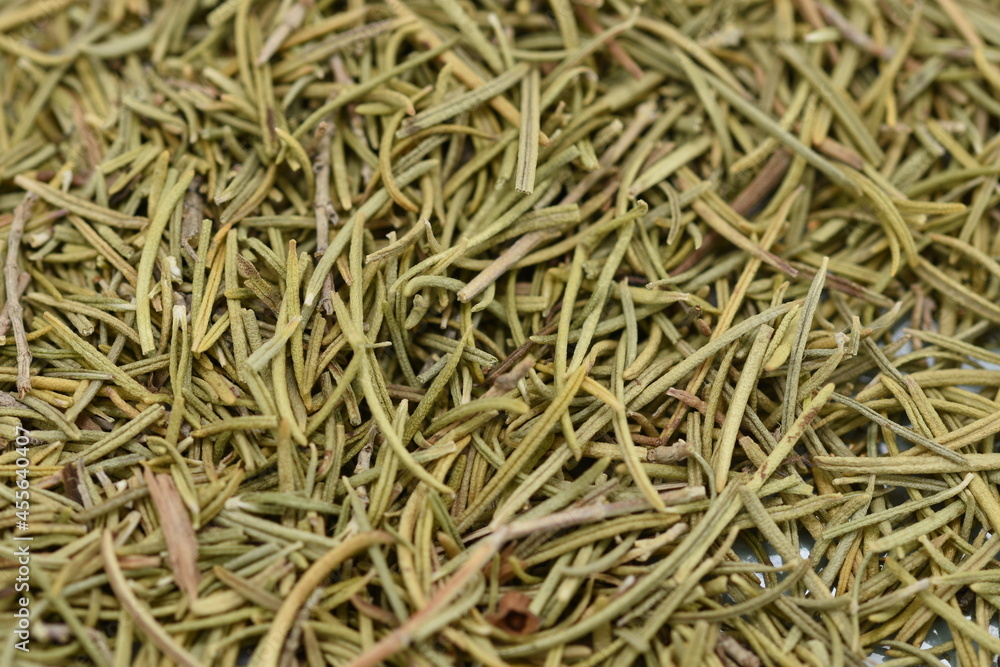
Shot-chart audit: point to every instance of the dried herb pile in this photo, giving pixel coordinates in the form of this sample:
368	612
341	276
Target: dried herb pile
556	332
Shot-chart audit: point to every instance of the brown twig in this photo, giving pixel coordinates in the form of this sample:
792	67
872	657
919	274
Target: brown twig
12	279
852	34
403	635
766	180
614	48
322	204
504	262
22	284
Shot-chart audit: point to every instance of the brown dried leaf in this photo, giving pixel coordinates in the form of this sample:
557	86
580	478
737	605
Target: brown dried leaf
76	488
514	616
182	544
